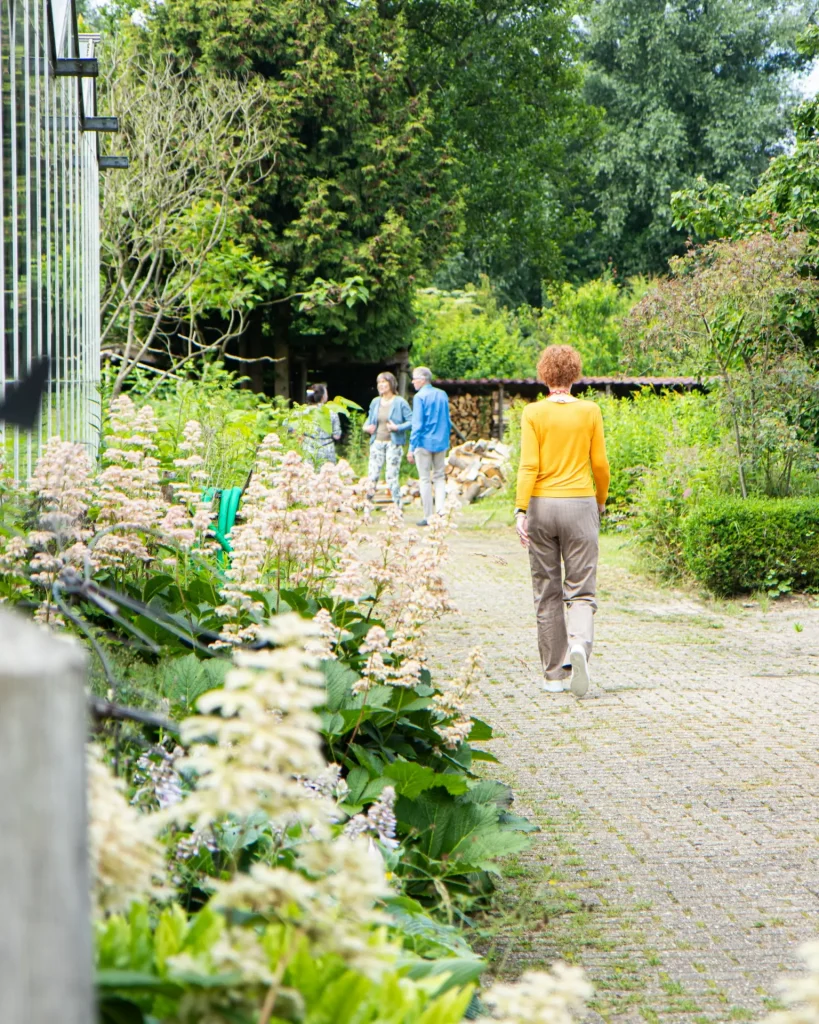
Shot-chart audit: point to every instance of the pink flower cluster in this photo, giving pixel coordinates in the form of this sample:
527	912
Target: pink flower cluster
297	522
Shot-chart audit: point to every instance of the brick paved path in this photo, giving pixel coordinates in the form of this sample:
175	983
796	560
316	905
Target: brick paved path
679	854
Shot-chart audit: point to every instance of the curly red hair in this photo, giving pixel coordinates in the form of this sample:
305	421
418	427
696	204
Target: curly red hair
559	366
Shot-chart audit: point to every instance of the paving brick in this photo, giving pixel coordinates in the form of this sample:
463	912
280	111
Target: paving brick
689	788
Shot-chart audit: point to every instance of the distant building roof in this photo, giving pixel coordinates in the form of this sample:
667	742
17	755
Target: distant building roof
615	384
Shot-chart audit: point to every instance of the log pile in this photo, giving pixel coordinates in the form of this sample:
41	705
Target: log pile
478	468
470	416
473	470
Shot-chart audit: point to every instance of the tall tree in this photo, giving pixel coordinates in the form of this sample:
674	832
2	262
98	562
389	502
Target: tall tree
504	78
690	87
359	190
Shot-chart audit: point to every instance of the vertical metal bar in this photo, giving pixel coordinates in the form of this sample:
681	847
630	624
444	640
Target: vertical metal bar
48	156
5	47
64	167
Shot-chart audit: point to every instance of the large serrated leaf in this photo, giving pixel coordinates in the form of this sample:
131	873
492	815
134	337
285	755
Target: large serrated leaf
340	679
464	831
487	791
412	779
184	680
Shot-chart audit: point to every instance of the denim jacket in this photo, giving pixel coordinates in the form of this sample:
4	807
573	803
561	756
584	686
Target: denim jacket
400	415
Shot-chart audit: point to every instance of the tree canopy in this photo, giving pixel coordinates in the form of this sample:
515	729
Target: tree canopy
359	190
505	84
689	88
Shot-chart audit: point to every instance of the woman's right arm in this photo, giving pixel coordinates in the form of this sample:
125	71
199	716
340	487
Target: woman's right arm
529	462
370	425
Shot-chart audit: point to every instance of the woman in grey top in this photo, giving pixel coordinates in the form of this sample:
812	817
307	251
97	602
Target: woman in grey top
319	444
388	423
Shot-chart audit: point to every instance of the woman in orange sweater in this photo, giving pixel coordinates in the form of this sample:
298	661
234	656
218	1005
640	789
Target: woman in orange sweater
563	482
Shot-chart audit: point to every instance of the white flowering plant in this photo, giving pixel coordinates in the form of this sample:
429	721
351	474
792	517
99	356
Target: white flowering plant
296	934
126	554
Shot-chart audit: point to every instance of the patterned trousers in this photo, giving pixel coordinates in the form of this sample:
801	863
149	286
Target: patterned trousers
386	452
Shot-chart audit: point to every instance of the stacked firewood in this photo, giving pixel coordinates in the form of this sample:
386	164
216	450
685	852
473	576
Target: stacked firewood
473	470
478	468
470	416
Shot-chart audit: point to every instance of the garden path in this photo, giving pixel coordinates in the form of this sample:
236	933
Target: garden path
678	857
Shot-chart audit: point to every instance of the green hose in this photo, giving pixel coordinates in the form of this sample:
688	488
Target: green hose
229	500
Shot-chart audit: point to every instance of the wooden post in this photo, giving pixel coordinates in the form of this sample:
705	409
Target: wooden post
281	372
45	918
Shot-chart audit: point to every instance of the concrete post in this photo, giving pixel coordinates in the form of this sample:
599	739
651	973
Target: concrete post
45	929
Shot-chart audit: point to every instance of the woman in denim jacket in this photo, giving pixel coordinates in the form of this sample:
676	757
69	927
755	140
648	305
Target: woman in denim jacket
388	424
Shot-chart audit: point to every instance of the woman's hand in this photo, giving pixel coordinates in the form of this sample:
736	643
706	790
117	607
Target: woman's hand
391	426
369	428
522	526
602	510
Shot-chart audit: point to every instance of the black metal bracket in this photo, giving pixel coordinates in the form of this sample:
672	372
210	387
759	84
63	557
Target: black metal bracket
76	67
101	124
111	163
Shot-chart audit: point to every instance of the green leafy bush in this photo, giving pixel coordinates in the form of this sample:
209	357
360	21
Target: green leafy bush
641	430
589	318
734	546
466	334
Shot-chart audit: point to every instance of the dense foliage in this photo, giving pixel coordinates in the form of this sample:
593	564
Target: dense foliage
301	831
407	143
466	334
688	89
762	544
358	187
504	81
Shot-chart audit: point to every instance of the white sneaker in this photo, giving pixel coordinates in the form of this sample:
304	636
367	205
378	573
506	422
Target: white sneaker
554	685
580	670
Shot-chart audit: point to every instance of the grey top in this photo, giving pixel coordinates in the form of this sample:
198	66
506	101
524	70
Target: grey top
384	410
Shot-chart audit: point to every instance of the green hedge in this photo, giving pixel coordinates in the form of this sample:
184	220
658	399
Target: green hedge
734	546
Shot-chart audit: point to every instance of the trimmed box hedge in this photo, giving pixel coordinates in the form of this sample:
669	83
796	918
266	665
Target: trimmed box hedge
737	547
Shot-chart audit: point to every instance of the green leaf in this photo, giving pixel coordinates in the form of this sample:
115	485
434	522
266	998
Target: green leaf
184	680
412	779
487	791
155	584
142	943
372	762
483	755
462	831
332	724
116	1010
340	679
480	731
169	935
460	971
357	780
136	981
206	927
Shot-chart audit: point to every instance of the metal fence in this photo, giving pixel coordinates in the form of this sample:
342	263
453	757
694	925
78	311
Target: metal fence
49	194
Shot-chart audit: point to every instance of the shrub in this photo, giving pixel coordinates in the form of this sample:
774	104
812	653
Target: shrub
641	430
466	334
589	317
734	546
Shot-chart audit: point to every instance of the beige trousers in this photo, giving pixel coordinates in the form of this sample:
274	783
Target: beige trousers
431	474
567	529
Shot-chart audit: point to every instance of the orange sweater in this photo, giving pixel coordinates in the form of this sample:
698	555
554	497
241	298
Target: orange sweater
561	449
